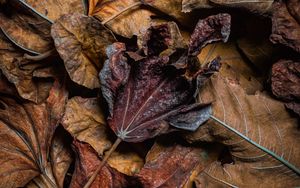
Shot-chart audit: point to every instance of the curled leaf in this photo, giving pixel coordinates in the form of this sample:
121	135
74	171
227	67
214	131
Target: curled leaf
81	41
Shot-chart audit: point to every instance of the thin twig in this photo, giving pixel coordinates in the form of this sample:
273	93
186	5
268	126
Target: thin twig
40	56
121	12
103	162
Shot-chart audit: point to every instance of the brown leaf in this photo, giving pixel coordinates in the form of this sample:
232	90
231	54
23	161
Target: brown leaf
26	133
131	19
170	165
286	83
159	91
27	30
286	25
85	120
54	9
23	73
258	118
190	5
87	162
81	41
259	6
60	159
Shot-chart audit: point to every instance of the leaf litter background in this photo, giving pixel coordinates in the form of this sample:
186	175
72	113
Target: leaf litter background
55	121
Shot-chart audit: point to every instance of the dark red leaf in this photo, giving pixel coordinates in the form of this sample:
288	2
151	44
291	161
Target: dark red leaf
147	96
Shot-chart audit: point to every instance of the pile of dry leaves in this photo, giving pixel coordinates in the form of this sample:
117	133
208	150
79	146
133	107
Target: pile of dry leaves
149	93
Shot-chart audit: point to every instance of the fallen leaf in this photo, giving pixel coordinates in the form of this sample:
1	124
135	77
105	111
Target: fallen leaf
169	164
261	137
85	120
285	83
26	134
258	6
81	41
22	72
61	159
190	5
155	85
27	30
54	9
286	27
123	17
86	163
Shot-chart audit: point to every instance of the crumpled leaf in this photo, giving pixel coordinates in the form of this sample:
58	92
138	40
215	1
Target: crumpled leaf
259	118
85	120
285	83
26	134
86	163
286	24
169	164
131	19
23	73
158	90
61	159
54	9
81	41
27	30
211	29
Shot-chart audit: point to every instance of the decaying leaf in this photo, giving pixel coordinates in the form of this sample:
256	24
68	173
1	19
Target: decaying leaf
190	5
86	162
85	120
159	91
286	83
26	135
286	24
123	17
27	30
54	9
170	165
81	41
250	119
25	75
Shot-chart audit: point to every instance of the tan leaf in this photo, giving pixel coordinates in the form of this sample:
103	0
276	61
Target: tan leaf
169	164
26	132
84	119
86	163
23	73
28	31
54	9
81	41
123	17
250	119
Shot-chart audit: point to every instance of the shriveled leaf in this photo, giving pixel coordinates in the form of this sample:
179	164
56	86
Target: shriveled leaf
26	134
27	30
250	119
6	87
54	9
170	165
81	41
85	120
286	83
257	6
60	160
23	73
286	24
190	5
211	29
87	162
130	18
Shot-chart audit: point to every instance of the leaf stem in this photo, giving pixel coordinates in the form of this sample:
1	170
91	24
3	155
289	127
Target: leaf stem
120	12
48	181
103	162
282	160
40	56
